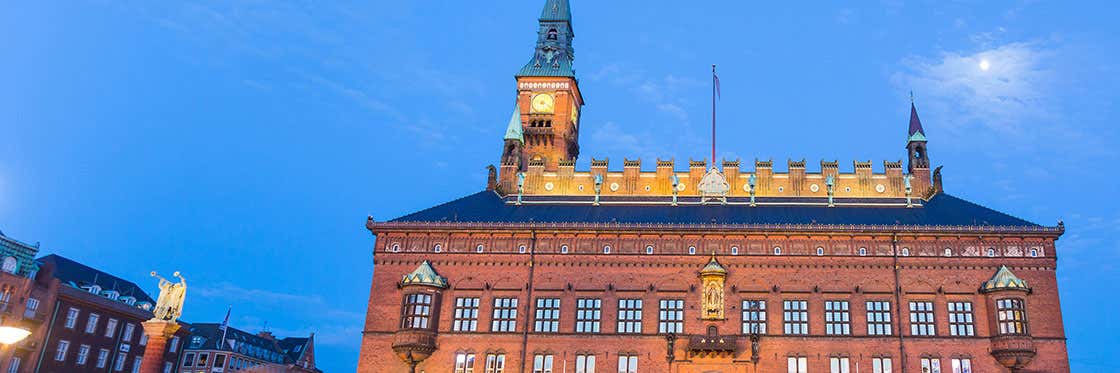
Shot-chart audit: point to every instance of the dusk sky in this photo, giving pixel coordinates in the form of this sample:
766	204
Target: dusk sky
244	143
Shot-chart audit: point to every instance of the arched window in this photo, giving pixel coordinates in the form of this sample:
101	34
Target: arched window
552	34
479	248
607	249
692	250
649	249
563	249
905	251
438	248
820	251
991	251
396	248
734	250
10	265
777	250
521	249
863	251
948	251
1034	253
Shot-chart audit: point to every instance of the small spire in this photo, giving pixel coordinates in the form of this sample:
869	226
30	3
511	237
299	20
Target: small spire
514	130
916	133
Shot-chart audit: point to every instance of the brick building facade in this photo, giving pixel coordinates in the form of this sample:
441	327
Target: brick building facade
707	269
27	291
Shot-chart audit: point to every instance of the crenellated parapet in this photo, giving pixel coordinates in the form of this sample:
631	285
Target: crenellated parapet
862	181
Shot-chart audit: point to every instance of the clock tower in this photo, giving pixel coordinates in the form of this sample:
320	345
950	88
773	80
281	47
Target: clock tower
548	97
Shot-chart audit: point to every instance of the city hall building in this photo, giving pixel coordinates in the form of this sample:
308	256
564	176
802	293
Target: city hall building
702	268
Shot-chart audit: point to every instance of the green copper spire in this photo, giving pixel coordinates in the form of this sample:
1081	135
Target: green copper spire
554	53
1004	280
424	275
514	131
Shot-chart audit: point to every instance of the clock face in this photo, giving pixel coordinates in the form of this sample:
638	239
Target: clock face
543	103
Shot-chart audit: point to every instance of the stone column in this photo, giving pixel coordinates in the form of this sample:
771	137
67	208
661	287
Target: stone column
158	332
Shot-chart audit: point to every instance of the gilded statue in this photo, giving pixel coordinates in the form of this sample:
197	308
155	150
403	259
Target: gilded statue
169	305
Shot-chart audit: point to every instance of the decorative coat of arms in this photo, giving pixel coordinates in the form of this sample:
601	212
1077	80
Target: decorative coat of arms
713	186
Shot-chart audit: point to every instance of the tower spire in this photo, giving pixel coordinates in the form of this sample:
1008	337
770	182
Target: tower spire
554	52
916	132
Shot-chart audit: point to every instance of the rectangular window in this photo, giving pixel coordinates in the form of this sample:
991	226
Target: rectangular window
60	352
796	316
754	317
13	367
495	363
464	363
466	315
103	357
136	363
173	345
588	314
1012	316
921	318
203	359
797	364
505	315
219	360
144	340
931	365
547	316
118	364
881	365
670	318
188	359
837	318
83	354
838	364
167	367
31	309
542	363
962	366
629	316
111	328
960	319
627	364
91	323
585	363
878	318
416	311
128	330
71	318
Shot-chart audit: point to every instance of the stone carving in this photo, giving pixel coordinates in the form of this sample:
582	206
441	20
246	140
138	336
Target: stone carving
169	305
1014	251
713	186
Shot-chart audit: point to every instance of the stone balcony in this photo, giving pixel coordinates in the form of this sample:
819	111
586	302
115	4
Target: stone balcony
1013	351
414	345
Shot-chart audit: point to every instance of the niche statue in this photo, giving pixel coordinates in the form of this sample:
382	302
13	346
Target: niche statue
169	306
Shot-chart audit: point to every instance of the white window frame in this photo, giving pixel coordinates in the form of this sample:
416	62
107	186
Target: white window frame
627	363
61	350
797	364
102	358
72	317
585	363
91	323
839	364
83	354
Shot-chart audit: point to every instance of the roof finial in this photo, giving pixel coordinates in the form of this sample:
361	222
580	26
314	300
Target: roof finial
911	96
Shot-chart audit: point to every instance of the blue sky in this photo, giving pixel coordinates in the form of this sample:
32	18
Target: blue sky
244	143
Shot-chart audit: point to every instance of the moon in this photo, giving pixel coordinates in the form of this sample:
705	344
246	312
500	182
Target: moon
985	65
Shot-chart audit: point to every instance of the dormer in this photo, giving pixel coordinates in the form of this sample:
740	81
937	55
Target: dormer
111	294
129	300
92	288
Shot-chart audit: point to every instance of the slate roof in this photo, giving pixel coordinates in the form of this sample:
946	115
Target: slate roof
69	271
211	334
941	210
293	347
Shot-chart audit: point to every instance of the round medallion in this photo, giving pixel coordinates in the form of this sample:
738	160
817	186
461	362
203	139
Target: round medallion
880	188
647	188
614	187
548	186
680	187
814	188
580	188
848	189
747	188
781	189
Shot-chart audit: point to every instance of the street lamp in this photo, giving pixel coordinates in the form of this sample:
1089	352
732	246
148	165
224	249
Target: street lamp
11	335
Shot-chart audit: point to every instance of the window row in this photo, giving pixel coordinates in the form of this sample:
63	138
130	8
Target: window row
799	364
541	363
777	250
203	360
795	316
62	352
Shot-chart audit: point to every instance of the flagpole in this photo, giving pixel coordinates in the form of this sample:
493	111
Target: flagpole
714	83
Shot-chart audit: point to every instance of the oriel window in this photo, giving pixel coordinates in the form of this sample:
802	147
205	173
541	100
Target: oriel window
416	311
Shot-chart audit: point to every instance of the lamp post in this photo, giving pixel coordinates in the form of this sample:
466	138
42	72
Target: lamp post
10	335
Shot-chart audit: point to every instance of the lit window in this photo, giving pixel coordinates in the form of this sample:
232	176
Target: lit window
796	364
547	316
505	315
83	354
629	316
863	251
838	365
921	318
60	351
692	250
607	249
878	318
962	365
103	357
464	363
670	318
627	364
71	318
734	250
837	318
960	319
466	315
1012	316
438	248
754	317
495	363
649	249
882	365
795	316
777	250
585	363
91	323
563	249
542	363
415	311
931	365
820	251
588	314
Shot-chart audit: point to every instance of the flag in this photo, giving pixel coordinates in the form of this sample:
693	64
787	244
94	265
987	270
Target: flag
718	94
224	327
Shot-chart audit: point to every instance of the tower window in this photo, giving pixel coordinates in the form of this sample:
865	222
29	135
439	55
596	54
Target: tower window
734	250
649	249
820	251
692	250
607	249
521	249
863	251
777	250
563	249
552	34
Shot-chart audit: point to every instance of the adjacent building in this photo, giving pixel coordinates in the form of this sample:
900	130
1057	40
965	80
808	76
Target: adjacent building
94	326
27	293
219	348
711	268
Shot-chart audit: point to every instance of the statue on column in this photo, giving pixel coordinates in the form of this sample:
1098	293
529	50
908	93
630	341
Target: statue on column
169	305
